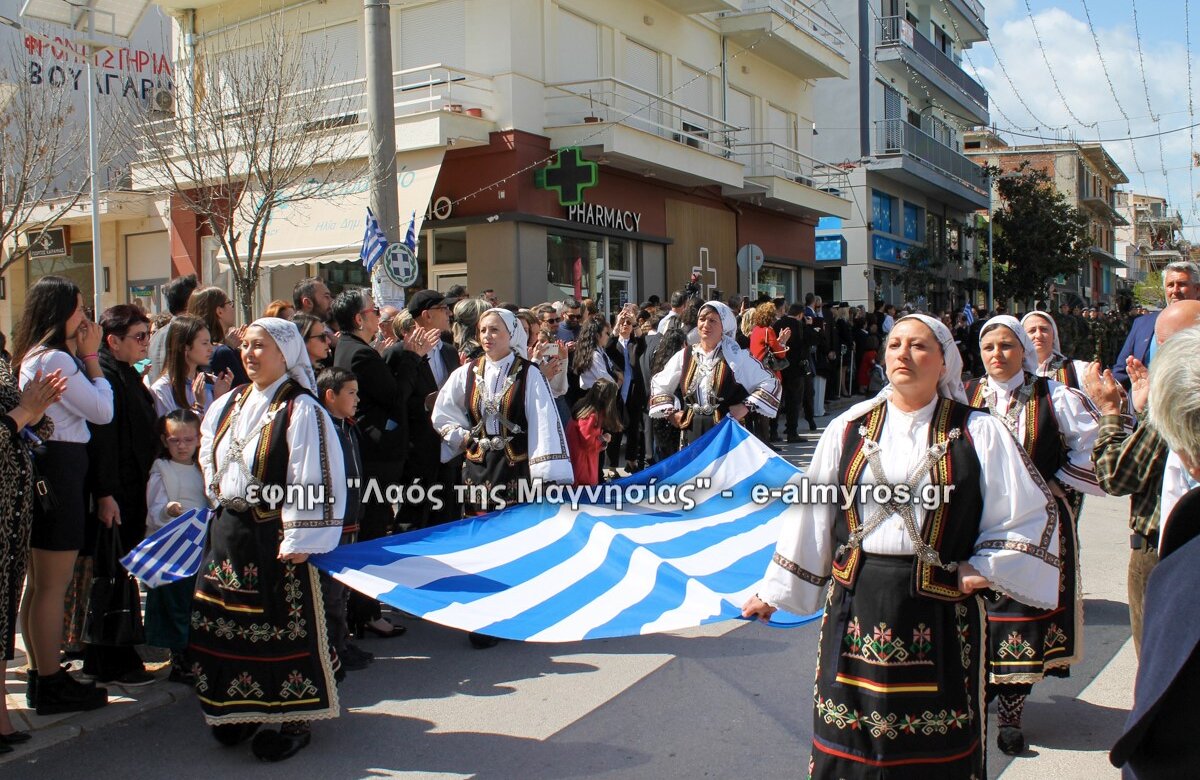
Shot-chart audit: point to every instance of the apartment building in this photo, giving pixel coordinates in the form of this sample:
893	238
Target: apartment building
1087	176
896	126
605	148
1153	237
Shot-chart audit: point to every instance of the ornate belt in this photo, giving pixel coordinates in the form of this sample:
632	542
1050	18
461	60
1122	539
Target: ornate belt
495	443
237	504
705	409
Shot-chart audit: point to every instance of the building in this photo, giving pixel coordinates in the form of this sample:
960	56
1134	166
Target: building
135	243
1152	237
896	127
602	148
1087	176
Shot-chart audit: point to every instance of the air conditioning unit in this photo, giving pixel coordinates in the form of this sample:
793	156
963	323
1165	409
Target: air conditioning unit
162	100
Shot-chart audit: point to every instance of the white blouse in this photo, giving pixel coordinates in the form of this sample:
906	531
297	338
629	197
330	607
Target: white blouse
1078	422
1017	510
549	458
164	397
84	401
601	368
304	526
763	387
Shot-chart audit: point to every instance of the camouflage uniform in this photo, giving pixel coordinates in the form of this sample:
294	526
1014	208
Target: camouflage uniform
1066	332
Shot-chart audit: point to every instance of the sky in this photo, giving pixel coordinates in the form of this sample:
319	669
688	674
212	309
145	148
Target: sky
1059	89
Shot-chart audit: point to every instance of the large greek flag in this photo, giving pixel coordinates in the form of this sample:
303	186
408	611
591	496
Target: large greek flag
546	572
172	552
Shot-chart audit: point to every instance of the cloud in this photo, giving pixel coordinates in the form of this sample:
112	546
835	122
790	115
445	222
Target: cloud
1086	108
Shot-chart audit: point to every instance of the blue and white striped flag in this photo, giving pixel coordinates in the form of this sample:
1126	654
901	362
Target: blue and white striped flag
375	242
968	311
545	572
172	552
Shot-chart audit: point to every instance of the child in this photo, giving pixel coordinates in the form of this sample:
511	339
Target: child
176	485
594	416
338	391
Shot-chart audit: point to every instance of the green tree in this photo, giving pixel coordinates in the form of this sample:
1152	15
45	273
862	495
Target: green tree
1037	235
1149	291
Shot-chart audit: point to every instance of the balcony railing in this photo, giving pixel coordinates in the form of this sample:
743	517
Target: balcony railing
896	136
414	90
802	18
897	31
772	159
975	6
613	100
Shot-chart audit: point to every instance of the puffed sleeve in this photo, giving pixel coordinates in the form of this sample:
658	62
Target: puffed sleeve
315	459
1017	549
798	573
1079	423
91	399
762	385
549	457
663	385
449	415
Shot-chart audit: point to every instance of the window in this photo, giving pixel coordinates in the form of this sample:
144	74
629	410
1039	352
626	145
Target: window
914	217
578	48
882	208
432	34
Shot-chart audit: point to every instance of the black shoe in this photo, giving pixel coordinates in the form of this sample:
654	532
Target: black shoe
15	738
355	660
774	437
230	734
5	748
31	677
278	745
61	693
794	438
181	672
482	641
1011	741
812	424
367	628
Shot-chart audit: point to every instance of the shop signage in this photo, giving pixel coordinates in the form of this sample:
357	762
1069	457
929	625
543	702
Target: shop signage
569	175
51	243
604	216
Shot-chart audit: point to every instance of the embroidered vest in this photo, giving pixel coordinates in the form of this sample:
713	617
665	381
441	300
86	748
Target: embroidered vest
272	452
723	386
1043	439
512	409
1065	373
952	529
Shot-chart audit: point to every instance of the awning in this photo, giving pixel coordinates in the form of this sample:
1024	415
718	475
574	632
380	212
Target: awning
331	229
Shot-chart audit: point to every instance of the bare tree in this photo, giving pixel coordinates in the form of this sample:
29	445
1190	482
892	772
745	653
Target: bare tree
260	125
43	157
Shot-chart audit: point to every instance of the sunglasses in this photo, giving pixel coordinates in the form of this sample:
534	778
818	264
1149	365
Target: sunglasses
552	320
322	337
574	317
140	338
372	309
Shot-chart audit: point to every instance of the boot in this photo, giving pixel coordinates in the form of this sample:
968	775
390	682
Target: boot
61	693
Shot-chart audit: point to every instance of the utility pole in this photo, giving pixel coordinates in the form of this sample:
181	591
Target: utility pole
94	165
381	117
991	262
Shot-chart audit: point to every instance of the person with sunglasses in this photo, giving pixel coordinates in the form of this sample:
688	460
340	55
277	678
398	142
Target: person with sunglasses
119	483
317	339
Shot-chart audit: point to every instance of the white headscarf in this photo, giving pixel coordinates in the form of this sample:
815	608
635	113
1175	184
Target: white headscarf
287	337
1045	315
729	326
518	337
1030	360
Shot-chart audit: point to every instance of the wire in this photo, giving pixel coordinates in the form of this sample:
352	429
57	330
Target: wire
1187	39
1046	59
1107	140
1146	87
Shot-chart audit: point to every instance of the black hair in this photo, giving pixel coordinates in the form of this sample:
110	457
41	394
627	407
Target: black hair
117	320
48	305
305	288
588	344
601	399
346	308
334	379
178	291
678	298
180	416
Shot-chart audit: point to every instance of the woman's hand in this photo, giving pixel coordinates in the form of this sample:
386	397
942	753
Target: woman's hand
421	341
108	512
173	509
87	339
198	388
40	394
970	580
1139	379
234	337
757	609
784	335
739	411
677	418
222	384
296	558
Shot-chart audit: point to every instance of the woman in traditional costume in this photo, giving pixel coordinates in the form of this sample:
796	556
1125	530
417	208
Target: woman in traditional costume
258	638
502	415
1051	363
899	690
1057	427
703	383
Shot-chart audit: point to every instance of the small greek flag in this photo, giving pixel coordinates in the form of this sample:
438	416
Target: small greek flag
410	240
375	242
172	552
969	312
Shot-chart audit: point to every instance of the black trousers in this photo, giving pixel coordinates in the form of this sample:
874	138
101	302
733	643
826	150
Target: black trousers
378	519
789	412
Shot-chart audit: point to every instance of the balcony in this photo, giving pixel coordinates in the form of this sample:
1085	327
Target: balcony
701	6
902	48
912	157
791	35
968	20
787	179
435	106
642	132
1105	208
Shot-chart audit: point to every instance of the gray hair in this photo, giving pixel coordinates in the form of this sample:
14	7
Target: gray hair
1182	267
1175	392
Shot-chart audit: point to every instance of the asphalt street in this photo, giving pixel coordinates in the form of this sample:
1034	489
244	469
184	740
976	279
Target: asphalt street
730	701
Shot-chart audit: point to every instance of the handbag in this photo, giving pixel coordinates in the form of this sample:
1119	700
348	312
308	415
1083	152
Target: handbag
773	363
114	609
43	494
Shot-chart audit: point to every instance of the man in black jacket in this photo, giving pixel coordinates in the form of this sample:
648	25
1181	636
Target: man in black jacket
383	427
794	378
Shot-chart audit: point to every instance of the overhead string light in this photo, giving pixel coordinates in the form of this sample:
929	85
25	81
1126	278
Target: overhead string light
1146	86
1046	59
1187	40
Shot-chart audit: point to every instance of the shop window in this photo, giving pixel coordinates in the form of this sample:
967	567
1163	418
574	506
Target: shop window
883	207
76	266
914	217
449	246
572	267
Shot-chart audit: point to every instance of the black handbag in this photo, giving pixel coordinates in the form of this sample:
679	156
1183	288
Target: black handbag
114	609
771	362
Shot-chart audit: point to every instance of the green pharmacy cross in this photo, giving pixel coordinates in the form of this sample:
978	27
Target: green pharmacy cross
569	175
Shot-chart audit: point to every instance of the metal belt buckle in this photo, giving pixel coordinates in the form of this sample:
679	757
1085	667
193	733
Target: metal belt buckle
236	504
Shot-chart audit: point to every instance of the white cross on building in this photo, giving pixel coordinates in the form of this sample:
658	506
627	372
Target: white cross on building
705	268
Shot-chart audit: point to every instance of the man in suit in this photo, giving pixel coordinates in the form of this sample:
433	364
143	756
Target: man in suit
429	309
1181	282
383	429
625	349
793	377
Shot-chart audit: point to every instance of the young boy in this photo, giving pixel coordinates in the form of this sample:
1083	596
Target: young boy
338	391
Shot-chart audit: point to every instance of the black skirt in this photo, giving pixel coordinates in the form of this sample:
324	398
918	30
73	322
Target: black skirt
1027	643
63	465
899	681
258	641
492	480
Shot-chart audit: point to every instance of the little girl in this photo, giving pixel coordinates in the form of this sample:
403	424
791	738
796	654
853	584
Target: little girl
176	485
595	415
